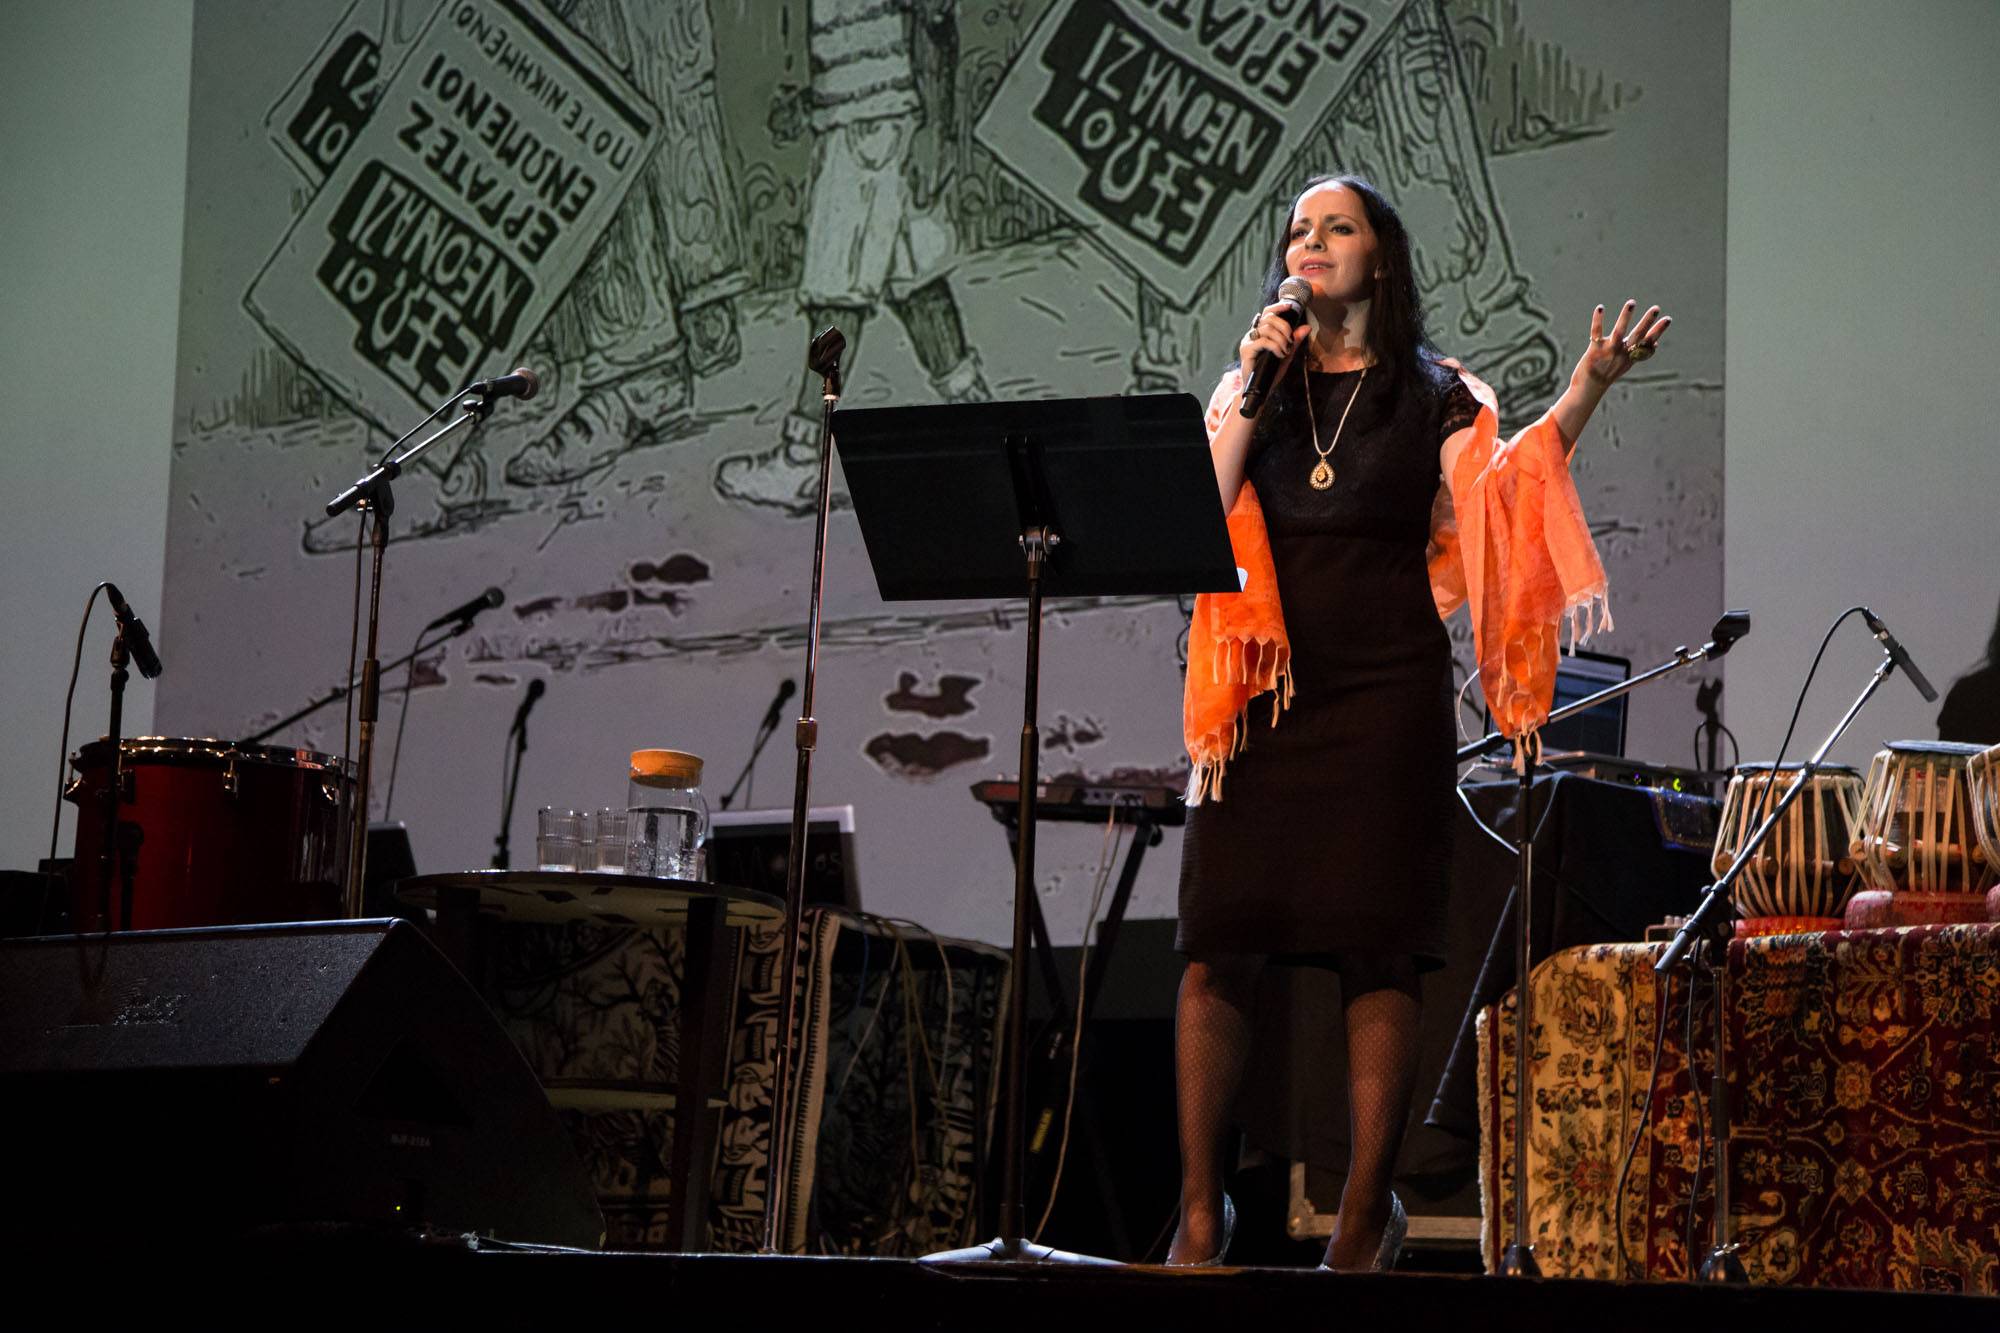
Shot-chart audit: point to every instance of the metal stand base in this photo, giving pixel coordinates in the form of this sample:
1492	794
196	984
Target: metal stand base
1519	1260
1002	1250
1722	1266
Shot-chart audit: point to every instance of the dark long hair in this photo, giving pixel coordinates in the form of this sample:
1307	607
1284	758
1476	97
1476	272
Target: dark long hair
1406	376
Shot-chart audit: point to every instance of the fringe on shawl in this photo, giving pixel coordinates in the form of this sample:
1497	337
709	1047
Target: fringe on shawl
1586	615
1262	664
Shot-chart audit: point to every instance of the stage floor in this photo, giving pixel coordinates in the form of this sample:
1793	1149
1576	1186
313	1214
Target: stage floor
338	1279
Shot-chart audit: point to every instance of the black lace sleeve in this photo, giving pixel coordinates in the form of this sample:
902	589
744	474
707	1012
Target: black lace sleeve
1457	409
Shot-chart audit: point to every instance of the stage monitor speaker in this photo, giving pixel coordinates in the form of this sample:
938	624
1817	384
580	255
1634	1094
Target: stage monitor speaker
241	1077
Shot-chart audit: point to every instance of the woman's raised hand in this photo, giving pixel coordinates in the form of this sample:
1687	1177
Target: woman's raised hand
1609	356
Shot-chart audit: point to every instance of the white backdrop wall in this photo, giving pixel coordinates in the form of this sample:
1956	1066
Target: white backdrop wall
93	157
1861	462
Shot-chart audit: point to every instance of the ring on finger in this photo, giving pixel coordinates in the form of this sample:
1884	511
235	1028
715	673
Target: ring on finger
1639	351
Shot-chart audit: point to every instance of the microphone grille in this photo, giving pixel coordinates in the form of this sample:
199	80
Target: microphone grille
534	384
1295	289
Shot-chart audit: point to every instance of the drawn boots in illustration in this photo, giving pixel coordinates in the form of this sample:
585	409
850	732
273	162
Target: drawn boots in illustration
929	314
608	421
785	477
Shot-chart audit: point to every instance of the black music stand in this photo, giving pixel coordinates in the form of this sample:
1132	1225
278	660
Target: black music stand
1078	497
1063	1030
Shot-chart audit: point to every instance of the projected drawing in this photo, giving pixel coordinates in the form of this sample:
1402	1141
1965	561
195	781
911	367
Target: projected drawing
653	203
1408	126
881	110
653	307
1527	92
1395	107
656	307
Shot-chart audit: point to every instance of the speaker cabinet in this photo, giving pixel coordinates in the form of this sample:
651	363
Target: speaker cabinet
239	1077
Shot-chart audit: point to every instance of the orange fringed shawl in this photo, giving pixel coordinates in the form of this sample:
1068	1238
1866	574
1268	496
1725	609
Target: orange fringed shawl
1507	536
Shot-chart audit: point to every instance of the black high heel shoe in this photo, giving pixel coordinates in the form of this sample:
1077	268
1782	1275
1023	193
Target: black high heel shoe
1393	1236
1217	1259
1394	1233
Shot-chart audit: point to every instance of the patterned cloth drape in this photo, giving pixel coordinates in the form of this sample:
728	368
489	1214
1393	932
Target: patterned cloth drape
1865	1084
894	1100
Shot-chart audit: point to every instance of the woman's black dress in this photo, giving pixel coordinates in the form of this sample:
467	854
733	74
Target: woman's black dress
1334	831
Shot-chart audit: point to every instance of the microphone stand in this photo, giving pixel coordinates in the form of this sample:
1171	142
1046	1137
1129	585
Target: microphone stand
502	857
822	359
112	862
1518	1260
765	730
1703	940
340	692
373	495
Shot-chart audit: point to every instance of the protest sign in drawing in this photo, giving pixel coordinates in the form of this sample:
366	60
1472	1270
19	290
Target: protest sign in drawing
445	234
316	120
1166	124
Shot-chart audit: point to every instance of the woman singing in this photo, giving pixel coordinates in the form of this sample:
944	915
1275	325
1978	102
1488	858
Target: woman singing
1379	498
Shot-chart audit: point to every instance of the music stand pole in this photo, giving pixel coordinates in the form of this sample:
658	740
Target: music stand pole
1036	544
823	359
1098	497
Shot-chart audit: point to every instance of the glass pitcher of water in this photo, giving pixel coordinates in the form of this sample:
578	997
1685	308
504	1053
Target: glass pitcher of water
666	817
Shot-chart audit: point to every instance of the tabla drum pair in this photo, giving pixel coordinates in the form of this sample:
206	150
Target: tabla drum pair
1919	847
1800	880
226	834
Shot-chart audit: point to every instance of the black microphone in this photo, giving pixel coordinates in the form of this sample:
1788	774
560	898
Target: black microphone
522	383
1733	626
536	688
1293	294
490	598
137	642
785	691
1899	655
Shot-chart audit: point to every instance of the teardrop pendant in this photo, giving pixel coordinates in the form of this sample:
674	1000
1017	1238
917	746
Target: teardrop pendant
1322	476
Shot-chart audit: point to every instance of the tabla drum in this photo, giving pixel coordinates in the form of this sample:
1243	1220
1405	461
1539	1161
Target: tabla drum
1917	848
227	834
1982	777
1803	875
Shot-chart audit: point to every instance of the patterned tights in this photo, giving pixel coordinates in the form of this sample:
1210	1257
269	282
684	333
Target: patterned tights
1382	1000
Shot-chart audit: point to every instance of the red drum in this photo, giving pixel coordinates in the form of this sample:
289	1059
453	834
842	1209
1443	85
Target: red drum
229	834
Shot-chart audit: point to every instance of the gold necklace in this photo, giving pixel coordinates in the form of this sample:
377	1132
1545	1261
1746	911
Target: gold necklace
1322	473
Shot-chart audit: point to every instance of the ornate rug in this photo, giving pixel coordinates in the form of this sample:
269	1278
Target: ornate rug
1865	1082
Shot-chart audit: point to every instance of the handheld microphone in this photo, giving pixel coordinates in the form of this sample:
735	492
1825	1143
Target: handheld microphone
536	688
521	383
1293	294
492	597
785	691
137	642
1899	655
